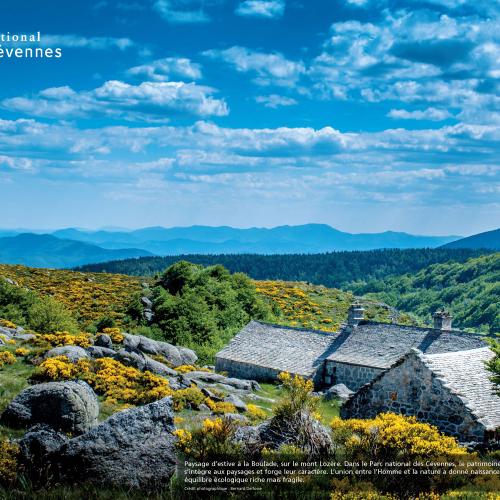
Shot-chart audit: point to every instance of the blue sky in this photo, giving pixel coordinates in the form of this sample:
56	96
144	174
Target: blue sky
368	115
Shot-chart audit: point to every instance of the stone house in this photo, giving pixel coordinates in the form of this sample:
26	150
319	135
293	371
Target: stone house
451	390
437	374
353	356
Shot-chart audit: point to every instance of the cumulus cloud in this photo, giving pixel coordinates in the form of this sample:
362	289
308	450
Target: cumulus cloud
149	101
261	8
162	69
275	101
270	68
433	114
182	11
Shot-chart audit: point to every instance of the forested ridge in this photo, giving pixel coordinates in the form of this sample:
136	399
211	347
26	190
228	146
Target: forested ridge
335	269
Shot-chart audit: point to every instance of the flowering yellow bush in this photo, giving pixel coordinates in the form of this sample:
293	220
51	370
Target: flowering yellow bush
393	435
58	339
254	412
8	461
10	342
185	368
109	378
220	407
178	420
7	358
22	351
7	324
189	396
212	440
114	334
297	396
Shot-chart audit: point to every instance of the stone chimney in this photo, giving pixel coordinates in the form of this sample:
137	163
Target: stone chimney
442	320
355	315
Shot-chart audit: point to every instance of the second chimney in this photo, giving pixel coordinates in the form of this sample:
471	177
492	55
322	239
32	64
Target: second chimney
442	320
355	315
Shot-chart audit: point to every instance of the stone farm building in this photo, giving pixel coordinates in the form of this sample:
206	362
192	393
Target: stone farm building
405	369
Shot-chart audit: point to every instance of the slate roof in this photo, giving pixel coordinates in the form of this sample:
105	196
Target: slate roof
380	345
282	348
464	373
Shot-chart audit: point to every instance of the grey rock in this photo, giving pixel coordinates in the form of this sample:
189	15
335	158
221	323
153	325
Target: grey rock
72	352
147	302
302	431
35	446
139	360
185	382
209	394
237	402
103	340
134	448
340	391
188	356
148	315
203	407
236	417
172	354
100	352
64	406
206	377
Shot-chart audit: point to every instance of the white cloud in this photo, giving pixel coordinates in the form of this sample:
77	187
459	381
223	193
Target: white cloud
174	11
275	101
270	69
261	8
162	69
149	101
82	42
433	114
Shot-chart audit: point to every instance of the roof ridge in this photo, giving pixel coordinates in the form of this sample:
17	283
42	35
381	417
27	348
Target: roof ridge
294	328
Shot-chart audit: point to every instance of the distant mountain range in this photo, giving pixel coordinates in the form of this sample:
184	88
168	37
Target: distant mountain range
44	250
74	247
308	238
489	239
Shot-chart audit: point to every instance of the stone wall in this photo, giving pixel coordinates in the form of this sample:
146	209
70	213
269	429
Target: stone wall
353	376
249	371
411	388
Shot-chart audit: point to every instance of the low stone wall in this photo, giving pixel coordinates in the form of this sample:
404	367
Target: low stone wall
353	376
248	371
410	388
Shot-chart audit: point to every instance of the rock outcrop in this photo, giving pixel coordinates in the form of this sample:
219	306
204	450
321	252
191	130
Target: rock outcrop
72	352
65	406
134	448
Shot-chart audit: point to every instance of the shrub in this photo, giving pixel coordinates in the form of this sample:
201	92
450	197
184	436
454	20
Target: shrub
104	322
115	334
8	462
220	407
398	439
185	368
22	351
57	339
7	358
297	396
109	378
7	324
213	440
47	315
255	413
190	396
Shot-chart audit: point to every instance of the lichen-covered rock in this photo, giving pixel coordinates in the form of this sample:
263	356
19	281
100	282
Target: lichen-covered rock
103	340
100	352
301	430
175	355
134	448
65	406
35	446
72	352
237	402
340	391
142	362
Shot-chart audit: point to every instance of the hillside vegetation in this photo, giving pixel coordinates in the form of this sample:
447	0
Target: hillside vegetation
89	296
470	291
336	269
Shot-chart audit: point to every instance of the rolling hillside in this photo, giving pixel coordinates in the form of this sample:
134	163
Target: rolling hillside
489	239
336	269
43	250
470	291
